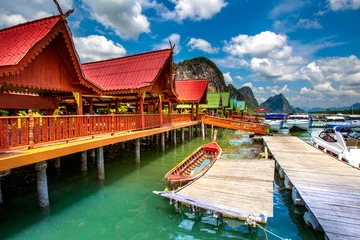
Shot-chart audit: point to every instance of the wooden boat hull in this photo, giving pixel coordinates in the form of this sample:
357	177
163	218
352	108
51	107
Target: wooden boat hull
193	166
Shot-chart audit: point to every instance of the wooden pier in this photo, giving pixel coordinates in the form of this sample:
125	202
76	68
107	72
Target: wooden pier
236	188
329	188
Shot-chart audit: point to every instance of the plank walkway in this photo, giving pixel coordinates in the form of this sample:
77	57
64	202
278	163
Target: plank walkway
232	187
22	157
329	188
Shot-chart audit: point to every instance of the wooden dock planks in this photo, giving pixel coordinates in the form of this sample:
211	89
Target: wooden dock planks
330	188
234	187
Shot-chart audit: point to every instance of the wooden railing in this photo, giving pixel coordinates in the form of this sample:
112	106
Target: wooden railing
236	124
248	118
176	118
28	131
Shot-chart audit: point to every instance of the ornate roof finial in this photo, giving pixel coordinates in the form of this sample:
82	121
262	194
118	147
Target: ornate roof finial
64	16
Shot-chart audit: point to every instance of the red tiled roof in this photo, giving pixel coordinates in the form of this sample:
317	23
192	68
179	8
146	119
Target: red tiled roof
130	72
16	41
191	90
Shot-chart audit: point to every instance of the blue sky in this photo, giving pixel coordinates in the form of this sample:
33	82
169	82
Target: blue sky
307	50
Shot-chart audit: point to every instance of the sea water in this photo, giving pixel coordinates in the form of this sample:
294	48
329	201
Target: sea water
124	207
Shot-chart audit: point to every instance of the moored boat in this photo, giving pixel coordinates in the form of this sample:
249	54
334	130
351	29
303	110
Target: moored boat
299	121
274	120
333	121
194	166
341	142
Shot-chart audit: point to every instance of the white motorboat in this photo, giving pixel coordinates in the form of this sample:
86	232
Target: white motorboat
333	121
274	120
301	122
354	119
341	142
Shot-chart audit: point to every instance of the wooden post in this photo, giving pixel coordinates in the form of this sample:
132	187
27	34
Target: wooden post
2	174
203	130
91	106
205	126
100	163
83	161
157	140
190	135
31	130
174	137
41	183
117	106
123	145
160	110
212	131
57	163
182	134
112	124
163	141
79	106
266	153
137	150
170	107
192	112
92	155
141	100
197	112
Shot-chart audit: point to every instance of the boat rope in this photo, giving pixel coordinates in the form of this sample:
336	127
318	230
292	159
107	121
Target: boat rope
251	222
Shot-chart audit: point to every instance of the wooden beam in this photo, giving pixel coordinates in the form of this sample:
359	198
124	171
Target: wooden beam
91	106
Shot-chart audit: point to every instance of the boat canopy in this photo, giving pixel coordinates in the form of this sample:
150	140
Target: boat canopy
275	115
345	128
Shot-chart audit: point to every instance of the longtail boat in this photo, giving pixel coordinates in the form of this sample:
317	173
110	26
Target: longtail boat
194	166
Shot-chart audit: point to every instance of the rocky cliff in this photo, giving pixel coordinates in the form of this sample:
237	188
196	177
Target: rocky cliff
277	103
201	67
249	98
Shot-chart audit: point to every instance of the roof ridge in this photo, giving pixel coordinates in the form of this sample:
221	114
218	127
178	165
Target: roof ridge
138	54
29	22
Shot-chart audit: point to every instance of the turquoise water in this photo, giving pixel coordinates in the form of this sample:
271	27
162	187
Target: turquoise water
123	206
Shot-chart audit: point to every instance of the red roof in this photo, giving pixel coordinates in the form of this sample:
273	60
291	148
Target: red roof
16	41
130	72
263	110
192	90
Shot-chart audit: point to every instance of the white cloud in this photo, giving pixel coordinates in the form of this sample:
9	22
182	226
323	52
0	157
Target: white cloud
273	69
311	93
194	9
286	7
7	19
258	91
308	23
174	38
201	44
341	5
239	77
96	48
275	90
263	45
231	62
19	11
228	79
124	17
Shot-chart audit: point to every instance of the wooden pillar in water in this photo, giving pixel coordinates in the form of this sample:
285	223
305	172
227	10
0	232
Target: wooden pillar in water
212	131
137	150
100	163
190	134
92	155
83	161
203	129
182	134
57	163
157	140
174	137
205	126
41	184
2	174
163	141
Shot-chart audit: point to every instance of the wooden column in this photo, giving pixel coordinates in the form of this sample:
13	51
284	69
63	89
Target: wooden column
190	135
141	101
117	106
160	110
197	112
57	163
92	155
203	130
100	163
41	184
170	107
192	111
84	161
174	137
79	106
137	150
182	134
163	141
91	106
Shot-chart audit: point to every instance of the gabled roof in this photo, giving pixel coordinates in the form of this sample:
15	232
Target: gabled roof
225	96
130	72
192	91
213	101
16	41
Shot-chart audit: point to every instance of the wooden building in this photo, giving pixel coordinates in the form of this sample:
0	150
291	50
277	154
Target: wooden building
39	65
